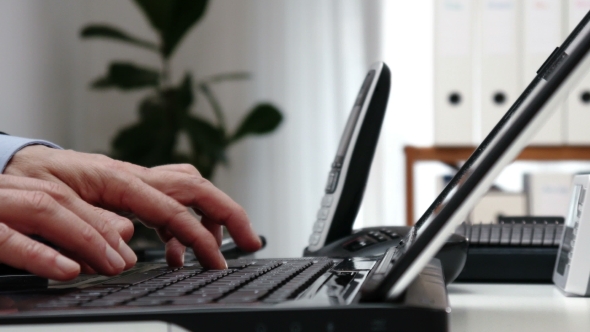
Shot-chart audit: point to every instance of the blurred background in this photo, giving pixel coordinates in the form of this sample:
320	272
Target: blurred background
306	57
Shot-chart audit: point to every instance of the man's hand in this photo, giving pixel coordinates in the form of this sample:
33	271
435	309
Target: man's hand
71	194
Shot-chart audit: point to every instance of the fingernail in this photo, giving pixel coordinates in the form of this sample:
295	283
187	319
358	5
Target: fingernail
126	252
114	258
257	237
66	265
222	259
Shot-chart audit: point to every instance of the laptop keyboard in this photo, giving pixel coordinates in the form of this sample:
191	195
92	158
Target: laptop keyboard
245	281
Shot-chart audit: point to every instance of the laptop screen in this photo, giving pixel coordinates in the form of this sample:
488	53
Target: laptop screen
500	147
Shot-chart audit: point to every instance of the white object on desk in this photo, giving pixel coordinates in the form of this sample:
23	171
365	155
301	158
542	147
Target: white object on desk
516	307
572	268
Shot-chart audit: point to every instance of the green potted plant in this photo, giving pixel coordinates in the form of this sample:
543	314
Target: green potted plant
166	110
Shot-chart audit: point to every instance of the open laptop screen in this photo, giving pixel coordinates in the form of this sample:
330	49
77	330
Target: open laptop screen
499	148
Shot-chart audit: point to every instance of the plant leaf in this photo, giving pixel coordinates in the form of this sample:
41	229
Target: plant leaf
263	119
127	76
172	19
110	32
184	96
205	137
134	142
229	77
149	142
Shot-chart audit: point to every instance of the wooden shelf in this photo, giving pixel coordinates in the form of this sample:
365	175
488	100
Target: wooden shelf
455	155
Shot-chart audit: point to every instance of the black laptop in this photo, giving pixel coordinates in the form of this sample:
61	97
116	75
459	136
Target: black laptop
402	290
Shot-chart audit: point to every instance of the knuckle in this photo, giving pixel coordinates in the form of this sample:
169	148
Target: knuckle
33	251
198	181
56	191
39	201
176	214
190	169
126	229
88	234
104	229
236	213
101	158
5	234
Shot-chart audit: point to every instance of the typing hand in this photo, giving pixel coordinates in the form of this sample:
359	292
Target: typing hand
159	196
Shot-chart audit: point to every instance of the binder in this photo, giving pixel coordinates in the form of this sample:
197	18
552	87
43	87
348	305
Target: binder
577	117
453	81
500	59
542	32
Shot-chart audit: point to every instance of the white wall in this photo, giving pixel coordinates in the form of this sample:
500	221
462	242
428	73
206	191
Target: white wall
36	74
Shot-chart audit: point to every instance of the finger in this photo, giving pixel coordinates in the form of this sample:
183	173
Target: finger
84	268
24	253
213	228
181	168
157	210
47	218
100	219
175	253
213	203
121	225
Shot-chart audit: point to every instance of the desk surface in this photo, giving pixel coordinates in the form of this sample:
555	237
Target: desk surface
516	307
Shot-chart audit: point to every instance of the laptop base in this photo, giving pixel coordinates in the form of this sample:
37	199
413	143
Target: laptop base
424	307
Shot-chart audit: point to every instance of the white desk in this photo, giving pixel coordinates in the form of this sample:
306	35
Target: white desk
516	307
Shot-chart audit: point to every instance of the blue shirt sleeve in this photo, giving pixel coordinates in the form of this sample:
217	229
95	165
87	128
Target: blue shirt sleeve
10	145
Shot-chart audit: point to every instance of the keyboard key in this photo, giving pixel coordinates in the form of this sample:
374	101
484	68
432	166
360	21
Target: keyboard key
135	278
495	232
505	234
549	235
515	238
484	235
101	303
318	226
56	304
314	238
327	200
475	233
252	281
538	233
188	300
527	235
147	302
323	213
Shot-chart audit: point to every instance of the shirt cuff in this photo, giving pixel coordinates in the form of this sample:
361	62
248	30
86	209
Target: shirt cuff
10	145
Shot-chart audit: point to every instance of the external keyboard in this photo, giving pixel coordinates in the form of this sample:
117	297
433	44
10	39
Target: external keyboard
517	249
269	281
521	231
